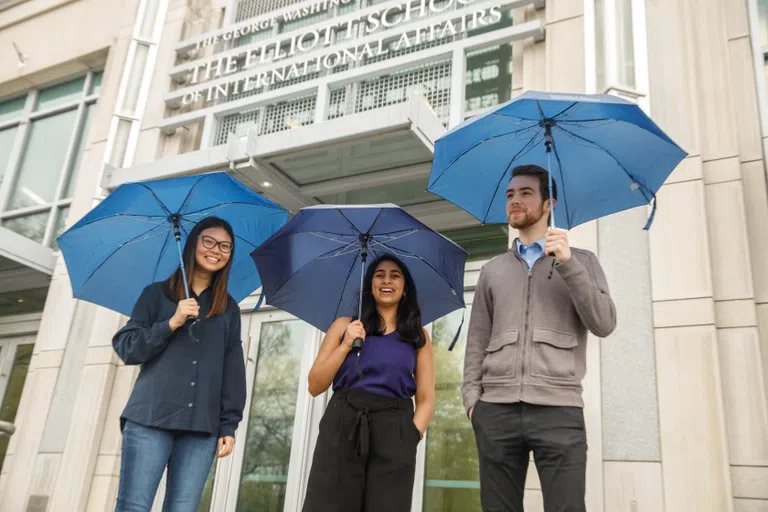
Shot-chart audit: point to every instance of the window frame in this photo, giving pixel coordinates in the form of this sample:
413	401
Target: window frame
23	123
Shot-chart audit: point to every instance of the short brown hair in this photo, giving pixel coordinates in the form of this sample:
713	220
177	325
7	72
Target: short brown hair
536	171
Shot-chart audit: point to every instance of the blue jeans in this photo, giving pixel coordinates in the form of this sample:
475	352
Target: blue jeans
146	453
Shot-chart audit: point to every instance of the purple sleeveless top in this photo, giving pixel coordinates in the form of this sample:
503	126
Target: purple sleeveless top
387	364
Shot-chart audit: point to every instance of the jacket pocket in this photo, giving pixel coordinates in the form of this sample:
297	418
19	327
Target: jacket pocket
501	356
554	354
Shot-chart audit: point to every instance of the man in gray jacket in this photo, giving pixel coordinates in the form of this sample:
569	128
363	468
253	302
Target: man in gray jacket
526	355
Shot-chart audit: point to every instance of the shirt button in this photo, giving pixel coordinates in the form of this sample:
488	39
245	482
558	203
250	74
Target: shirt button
194	362
191	383
189	404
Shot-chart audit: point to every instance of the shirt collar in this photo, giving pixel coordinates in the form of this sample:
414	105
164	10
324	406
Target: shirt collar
540	242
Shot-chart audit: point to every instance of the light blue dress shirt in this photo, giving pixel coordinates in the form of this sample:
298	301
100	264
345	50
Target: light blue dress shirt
530	253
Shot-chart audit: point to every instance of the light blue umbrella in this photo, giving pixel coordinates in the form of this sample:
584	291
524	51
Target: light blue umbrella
134	236
605	154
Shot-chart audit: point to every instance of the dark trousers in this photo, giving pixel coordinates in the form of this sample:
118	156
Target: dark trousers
365	457
507	433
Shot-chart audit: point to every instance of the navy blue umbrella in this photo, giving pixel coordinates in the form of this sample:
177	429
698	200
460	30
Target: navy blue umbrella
134	236
603	152
313	266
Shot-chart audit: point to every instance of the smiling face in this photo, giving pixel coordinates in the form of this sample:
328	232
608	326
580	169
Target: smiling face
209	255
525	205
388	283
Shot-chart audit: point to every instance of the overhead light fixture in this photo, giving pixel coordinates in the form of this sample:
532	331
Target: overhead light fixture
266	184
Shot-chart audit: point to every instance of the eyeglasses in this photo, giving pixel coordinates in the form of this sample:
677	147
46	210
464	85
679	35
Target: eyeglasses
209	243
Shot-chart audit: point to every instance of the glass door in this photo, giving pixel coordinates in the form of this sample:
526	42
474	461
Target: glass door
15	355
451	473
265	470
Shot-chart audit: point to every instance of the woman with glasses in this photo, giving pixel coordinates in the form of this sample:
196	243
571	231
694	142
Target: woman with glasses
190	393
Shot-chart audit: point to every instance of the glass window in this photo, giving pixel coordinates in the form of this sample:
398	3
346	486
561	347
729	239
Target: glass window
762	7
626	44
22	301
134	80
31	226
11	109
621	37
13	391
271	415
481	242
60	94
120	144
61	224
43	160
403	193
96	83
7	138
71	180
451	481
149	19
489	78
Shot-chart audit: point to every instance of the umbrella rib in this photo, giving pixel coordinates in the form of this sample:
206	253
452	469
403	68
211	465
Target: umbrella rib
566	109
160	257
104	261
128	216
348	221
165	208
220	205
279	286
189	194
476	145
378	216
528	146
643	188
562	179
346	282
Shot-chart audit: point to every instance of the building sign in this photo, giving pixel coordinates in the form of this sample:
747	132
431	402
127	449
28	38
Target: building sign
293	46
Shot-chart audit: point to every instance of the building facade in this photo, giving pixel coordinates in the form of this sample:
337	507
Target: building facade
340	101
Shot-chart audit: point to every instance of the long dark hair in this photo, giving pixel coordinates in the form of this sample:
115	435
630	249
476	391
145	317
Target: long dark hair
409	326
174	285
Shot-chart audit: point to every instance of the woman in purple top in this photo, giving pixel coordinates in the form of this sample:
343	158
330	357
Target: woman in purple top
365	457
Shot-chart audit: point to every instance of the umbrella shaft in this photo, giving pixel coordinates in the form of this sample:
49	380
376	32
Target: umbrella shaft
181	261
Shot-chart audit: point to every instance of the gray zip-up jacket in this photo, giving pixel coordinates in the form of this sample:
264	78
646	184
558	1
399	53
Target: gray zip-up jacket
527	335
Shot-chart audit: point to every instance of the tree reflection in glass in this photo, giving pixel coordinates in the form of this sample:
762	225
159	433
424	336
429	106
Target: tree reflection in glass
272	412
452	482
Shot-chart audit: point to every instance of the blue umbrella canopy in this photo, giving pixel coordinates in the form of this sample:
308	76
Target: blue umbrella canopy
313	266
604	153
128	240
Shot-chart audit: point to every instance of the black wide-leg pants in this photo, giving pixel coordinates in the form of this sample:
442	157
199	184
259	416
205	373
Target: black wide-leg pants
365	457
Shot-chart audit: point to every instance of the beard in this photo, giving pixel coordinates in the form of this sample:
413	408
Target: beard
527	220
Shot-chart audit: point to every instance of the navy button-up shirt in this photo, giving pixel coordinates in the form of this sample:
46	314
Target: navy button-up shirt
184	384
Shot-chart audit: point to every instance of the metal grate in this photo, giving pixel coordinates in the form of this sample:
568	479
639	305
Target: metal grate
247	9
433	81
289	114
235	123
349	7
338	102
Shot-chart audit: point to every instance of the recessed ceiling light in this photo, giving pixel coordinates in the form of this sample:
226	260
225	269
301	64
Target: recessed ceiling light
266	184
